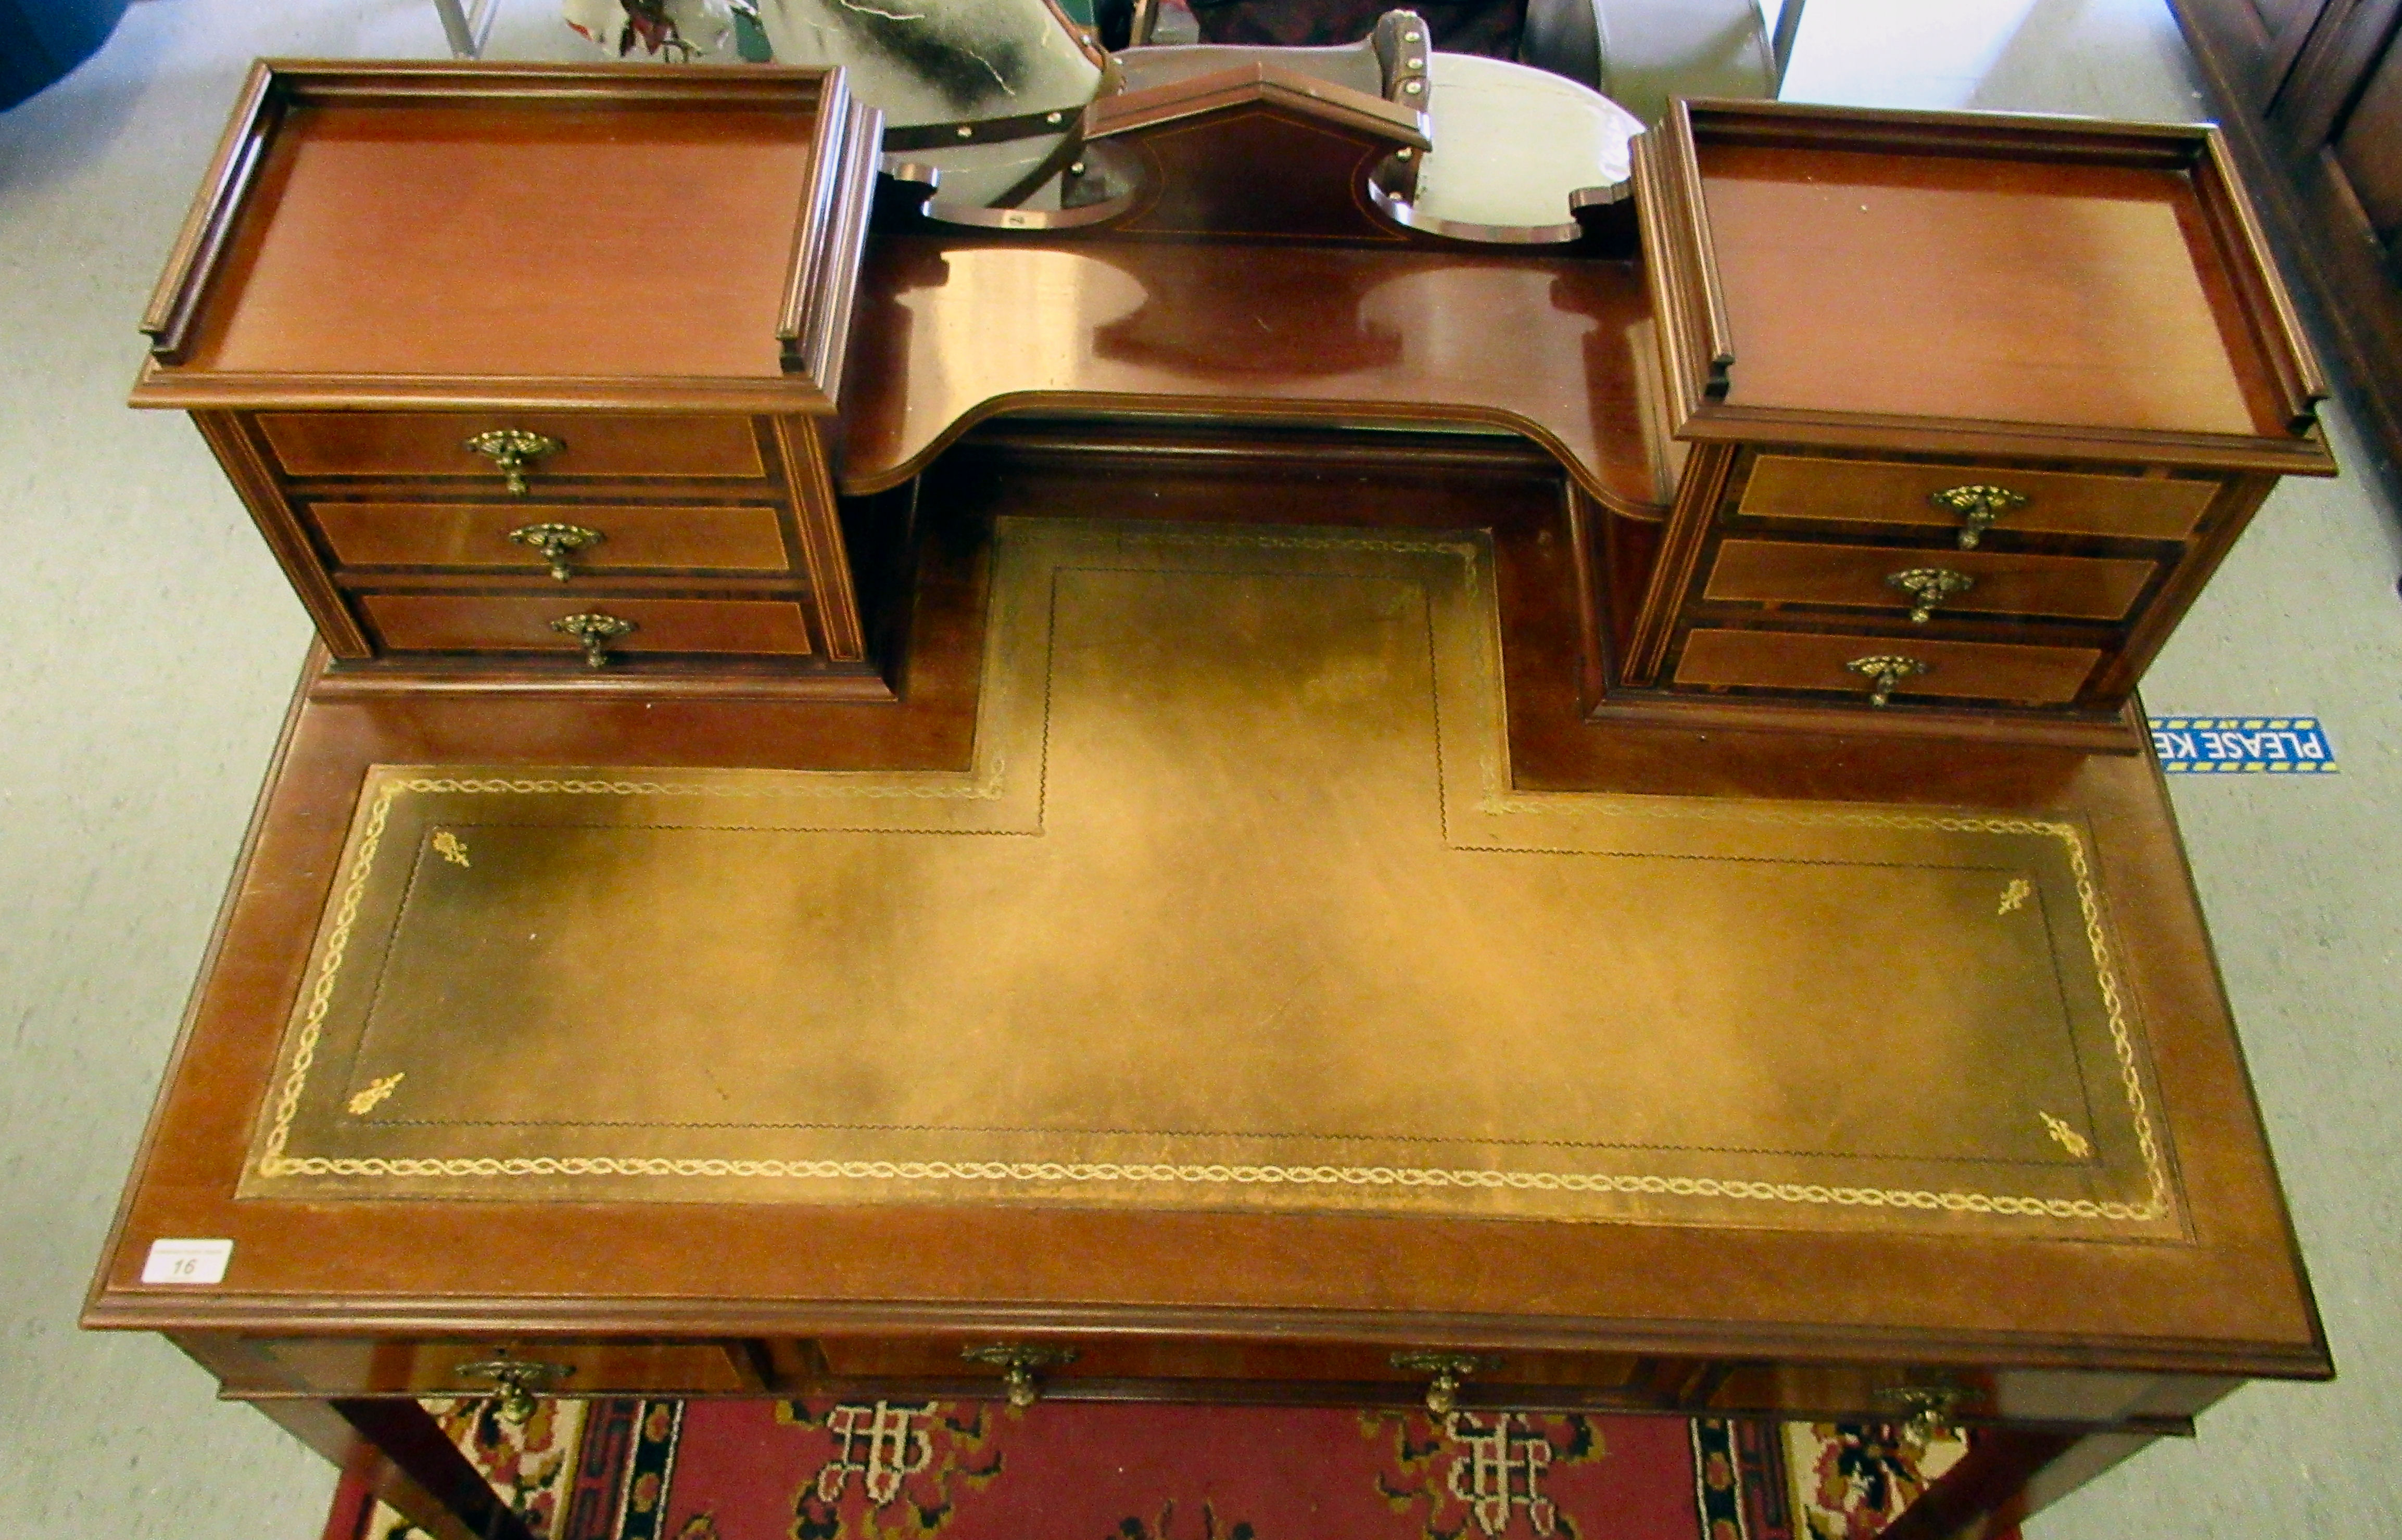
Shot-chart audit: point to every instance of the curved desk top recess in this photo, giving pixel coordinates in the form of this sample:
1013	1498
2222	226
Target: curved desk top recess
950	333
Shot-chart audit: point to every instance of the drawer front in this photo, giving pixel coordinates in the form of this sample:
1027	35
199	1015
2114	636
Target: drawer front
343	1366
1858	491
521	623
1766	572
1786	660
884	1360
415	443
627	537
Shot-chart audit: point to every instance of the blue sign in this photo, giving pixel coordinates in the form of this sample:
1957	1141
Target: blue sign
2200	745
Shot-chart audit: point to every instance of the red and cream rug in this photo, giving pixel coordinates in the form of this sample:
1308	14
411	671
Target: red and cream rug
970	1470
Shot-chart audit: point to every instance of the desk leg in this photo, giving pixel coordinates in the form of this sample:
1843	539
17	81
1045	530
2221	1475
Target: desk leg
407	1435
1984	1493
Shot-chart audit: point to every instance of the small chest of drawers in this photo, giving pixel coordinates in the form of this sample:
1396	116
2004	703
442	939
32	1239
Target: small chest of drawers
530	374
1971	408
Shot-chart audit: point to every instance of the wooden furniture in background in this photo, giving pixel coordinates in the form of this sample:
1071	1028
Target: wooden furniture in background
530	373
1975	406
2309	92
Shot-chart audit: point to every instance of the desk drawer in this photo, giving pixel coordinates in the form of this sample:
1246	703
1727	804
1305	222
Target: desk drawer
1160	1365
522	623
1784	488
599	537
1858	577
344	1366
435	444
1788	660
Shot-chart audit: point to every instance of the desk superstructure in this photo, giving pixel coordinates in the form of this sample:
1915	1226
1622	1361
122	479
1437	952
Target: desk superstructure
1597	722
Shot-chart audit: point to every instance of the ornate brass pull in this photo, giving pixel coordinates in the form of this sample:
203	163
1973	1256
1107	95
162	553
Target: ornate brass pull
1930	1408
513	452
1888	670
519	1381
1978	506
595	632
558	543
1018	1363
1448	1369
1928	586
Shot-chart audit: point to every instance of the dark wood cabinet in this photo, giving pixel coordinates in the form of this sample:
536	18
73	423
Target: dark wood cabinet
2310	94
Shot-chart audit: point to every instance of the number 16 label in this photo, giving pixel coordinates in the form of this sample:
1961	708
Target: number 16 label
187	1261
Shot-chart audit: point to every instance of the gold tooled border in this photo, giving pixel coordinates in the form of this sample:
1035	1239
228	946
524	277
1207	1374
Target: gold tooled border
274	1163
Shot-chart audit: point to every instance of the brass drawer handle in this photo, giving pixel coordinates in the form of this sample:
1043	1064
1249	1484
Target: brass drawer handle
1977	506
1928	586
557	544
519	1381
513	453
1930	1408
1018	1363
1448	1369
596	632
1886	670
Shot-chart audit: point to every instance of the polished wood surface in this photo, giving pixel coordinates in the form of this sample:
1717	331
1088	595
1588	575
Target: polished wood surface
2159	506
953	331
355	258
1795	660
438	623
633	537
435	444
1860	577
2018	291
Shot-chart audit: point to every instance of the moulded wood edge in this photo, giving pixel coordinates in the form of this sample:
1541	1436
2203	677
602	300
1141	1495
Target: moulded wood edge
164	1308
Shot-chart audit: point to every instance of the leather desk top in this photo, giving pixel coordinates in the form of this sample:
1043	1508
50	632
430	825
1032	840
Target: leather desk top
1668	1042
1236	907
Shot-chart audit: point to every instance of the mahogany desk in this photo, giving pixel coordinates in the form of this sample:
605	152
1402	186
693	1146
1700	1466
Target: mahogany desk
2066	1343
1190	910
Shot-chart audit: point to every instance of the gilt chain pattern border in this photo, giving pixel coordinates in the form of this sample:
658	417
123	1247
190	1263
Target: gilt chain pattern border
274	1163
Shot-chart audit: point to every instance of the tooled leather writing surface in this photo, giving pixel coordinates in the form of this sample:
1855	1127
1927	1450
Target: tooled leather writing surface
1236	908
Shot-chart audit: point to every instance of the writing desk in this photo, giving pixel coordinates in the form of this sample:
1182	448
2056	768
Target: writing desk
1233	895
2113	1294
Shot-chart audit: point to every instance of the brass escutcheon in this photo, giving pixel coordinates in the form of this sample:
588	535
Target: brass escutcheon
1977	506
513	453
1018	1363
519	1381
1448	1369
595	632
1929	586
1930	1408
558	543
1886	670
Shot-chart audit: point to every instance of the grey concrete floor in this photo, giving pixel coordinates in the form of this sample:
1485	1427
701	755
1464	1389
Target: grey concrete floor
147	645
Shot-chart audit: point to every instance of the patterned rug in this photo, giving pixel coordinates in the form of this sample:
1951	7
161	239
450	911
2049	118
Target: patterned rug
969	1470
